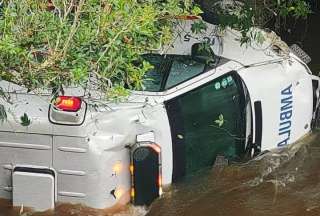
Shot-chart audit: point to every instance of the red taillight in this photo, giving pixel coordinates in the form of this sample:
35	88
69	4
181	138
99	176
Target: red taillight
68	103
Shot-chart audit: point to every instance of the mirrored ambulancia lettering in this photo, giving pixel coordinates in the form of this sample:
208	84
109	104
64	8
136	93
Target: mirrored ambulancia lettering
285	116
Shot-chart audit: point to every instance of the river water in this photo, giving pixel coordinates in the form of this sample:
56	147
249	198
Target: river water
280	183
285	183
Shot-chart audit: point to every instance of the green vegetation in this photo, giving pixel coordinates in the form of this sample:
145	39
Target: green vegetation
246	14
52	43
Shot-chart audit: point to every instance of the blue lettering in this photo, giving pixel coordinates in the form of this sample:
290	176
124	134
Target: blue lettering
283	142
286	115
284	126
287	91
286	111
286	103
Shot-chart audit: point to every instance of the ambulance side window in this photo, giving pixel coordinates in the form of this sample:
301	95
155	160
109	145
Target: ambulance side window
207	122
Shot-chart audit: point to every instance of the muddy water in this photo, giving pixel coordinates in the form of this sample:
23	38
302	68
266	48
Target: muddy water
71	210
280	183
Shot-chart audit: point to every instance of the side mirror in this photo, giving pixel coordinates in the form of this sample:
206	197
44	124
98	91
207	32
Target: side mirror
203	53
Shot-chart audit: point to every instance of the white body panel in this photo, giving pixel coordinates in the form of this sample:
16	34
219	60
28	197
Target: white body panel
84	157
265	84
41	187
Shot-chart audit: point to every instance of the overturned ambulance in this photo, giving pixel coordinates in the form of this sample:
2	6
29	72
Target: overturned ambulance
198	103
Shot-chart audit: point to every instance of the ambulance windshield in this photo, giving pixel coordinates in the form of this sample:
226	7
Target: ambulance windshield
170	70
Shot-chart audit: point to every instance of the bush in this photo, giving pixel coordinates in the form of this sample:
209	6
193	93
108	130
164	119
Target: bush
54	43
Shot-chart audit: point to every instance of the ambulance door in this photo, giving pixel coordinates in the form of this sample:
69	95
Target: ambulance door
207	122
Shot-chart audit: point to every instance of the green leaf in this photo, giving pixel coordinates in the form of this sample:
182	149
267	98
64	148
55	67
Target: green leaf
220	121
196	10
198	27
25	121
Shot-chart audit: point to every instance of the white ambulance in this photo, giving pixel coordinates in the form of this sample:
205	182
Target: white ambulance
199	102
